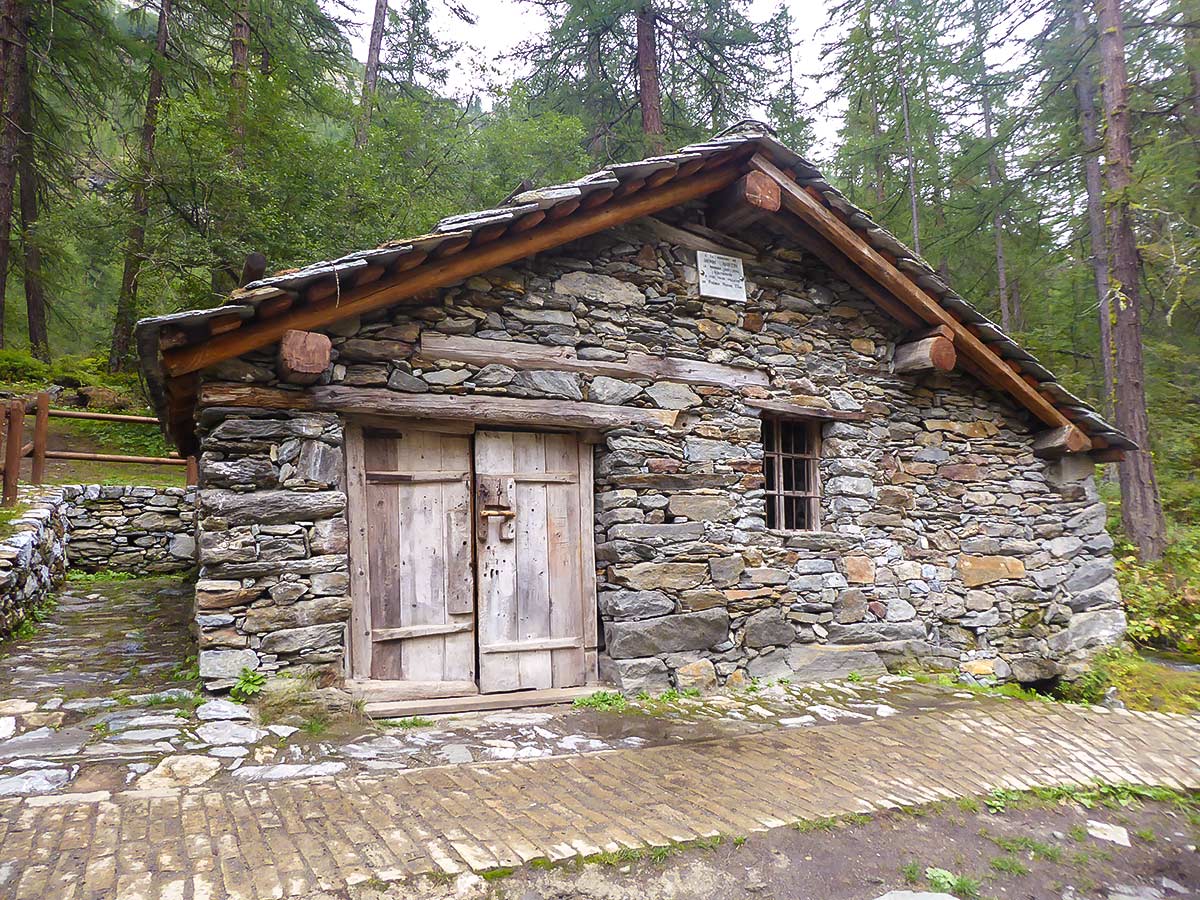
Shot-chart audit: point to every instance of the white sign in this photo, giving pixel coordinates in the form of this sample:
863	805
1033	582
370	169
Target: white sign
721	276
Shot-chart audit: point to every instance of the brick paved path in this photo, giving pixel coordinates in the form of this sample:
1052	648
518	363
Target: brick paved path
287	839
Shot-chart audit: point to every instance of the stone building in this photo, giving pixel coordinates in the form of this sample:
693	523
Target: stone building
688	421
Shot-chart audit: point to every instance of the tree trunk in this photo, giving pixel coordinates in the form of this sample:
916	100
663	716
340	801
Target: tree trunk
649	90
239	72
1085	95
35	295
371	76
1141	507
993	170
135	239
908	144
14	53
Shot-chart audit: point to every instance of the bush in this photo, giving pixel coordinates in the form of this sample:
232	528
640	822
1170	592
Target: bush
1162	600
19	366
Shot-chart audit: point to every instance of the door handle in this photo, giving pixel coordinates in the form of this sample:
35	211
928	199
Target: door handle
497	514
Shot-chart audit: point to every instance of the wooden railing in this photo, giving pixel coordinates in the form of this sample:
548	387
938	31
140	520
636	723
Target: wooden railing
16	448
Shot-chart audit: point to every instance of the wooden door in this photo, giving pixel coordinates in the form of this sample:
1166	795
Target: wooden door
531	559
416	493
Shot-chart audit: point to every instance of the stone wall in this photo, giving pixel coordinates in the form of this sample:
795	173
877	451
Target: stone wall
33	559
944	539
129	529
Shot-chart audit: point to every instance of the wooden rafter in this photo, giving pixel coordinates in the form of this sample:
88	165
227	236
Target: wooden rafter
441	272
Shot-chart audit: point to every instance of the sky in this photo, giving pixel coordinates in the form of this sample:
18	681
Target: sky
502	24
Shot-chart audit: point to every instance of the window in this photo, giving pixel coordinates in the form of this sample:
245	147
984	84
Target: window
790	452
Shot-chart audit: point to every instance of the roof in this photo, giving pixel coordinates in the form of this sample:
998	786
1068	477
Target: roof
175	348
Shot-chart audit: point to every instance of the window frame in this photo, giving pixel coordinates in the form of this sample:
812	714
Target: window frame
774	456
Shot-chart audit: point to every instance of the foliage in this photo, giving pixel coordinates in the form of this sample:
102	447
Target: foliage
947	881
100	576
1141	684
410	723
1162	599
249	684
608	701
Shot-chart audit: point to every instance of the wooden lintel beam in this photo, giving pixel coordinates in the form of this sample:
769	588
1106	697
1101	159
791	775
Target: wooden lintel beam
783	408
814	213
442	272
487	409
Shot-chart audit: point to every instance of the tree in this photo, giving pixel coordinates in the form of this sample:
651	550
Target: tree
648	73
1085	94
14	49
1141	507
371	74
27	174
135	240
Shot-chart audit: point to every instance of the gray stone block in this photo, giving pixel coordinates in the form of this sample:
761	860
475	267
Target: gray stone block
635	604
668	634
768	628
813	662
634	675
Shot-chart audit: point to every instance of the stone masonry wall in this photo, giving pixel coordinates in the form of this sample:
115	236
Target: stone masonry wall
944	539
129	529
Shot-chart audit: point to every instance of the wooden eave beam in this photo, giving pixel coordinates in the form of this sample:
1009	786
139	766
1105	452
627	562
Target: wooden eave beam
484	408
815	214
440	273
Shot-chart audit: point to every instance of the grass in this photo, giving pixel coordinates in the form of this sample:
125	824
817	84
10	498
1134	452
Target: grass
606	701
8	515
1008	865
409	723
1024	844
100	576
947	881
315	725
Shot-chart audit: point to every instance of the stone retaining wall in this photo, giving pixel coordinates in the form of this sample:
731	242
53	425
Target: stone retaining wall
130	529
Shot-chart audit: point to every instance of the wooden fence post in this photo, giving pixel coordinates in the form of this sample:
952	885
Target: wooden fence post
40	426
193	471
13	443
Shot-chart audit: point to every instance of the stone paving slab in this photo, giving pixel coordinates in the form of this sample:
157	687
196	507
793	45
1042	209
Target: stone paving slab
292	838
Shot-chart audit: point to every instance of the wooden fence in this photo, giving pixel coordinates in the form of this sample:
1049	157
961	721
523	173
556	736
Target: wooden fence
16	448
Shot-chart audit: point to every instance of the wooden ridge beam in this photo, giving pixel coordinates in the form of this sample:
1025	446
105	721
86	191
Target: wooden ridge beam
814	213
446	271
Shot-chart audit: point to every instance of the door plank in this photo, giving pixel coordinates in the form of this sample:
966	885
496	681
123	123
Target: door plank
424	586
359	543
574	641
459	556
497	567
383	511
563	561
533	582
417	631
587	544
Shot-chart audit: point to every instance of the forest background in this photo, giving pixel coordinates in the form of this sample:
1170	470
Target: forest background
147	148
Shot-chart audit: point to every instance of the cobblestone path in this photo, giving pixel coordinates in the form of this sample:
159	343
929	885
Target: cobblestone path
287	839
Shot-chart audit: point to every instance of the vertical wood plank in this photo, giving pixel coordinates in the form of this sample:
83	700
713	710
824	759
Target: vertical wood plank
564	559
587	545
384	556
497	568
533	577
460	562
360	585
41	426
422	556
